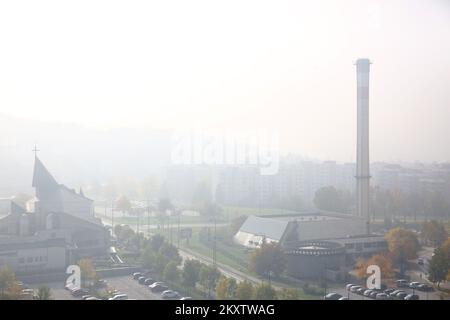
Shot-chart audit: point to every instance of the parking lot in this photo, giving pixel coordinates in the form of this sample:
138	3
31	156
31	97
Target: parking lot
354	296
124	284
132	288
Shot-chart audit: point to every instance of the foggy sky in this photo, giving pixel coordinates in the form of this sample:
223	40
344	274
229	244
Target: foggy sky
285	66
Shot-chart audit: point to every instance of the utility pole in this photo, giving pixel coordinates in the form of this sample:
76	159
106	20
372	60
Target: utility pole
215	240
178	229
112	216
148	218
137	223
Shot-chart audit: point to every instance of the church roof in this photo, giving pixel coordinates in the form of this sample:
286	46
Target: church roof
42	177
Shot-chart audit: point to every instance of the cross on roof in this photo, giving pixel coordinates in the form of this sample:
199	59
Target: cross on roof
35	150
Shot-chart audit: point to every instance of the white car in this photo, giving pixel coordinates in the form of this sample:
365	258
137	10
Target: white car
121	296
169	294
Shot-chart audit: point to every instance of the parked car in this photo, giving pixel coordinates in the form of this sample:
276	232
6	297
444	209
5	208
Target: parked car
420	261
101	283
348	286
414	285
85	297
367	293
77	292
136	275
343	298
169	294
401	295
394	293
382	296
332	296
354	288
402	283
121	296
158	287
360	291
411	297
425	287
141	280
389	291
93	298
373	294
186	298
149	281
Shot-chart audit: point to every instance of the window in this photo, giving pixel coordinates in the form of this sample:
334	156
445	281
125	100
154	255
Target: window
30	259
349	245
21	260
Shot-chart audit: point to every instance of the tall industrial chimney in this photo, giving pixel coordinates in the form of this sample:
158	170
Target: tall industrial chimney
362	152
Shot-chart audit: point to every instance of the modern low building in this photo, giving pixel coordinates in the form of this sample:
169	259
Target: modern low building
316	244
300	227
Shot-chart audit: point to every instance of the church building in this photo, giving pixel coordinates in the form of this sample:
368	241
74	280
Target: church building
57	228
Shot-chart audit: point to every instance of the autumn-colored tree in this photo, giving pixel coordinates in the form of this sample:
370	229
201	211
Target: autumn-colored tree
289	294
7	279
403	245
268	259
222	289
244	291
87	270
385	264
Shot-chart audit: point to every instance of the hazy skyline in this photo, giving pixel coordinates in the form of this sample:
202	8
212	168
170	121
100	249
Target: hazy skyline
283	66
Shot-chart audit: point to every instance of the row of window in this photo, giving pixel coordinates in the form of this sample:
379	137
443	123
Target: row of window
359	246
33	259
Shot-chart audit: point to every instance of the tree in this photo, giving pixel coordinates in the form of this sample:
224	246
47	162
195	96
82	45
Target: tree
87	270
148	258
434	232
403	245
222	289
123	233
171	272
265	292
386	267
123	204
232	286
439	266
289	294
44	293
7	279
190	274
267	259
164	205
208	277
156	241
244	290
